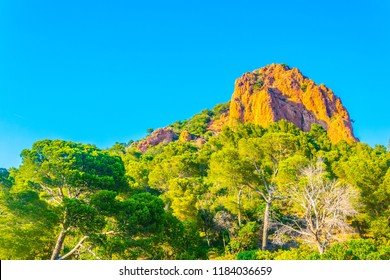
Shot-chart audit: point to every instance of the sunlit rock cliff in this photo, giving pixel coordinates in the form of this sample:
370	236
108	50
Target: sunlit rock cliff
277	92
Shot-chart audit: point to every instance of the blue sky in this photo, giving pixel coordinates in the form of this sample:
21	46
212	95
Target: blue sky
102	72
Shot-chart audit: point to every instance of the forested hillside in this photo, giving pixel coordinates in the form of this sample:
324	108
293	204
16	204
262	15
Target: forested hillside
275	173
235	192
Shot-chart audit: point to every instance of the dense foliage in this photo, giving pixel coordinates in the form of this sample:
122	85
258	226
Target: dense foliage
246	193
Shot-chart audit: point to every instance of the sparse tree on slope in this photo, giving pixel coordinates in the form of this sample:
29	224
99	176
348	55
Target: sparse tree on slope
322	208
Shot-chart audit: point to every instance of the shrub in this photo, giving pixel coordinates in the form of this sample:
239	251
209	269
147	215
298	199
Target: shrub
246	238
258	85
358	249
247	255
285	65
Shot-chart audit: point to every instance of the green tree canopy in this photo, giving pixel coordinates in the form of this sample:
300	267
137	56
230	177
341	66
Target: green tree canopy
66	174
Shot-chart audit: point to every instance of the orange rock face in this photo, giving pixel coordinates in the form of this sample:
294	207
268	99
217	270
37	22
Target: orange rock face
217	124
277	92
185	136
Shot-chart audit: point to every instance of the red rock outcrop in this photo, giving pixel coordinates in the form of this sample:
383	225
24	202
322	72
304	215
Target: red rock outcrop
277	92
161	135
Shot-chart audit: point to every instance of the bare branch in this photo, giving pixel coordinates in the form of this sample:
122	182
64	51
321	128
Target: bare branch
50	191
259	192
261	175
90	251
324	205
74	248
60	192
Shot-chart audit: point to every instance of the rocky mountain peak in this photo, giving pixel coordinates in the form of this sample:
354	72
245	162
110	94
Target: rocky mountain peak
277	92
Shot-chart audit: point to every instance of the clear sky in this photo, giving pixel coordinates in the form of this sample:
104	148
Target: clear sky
102	72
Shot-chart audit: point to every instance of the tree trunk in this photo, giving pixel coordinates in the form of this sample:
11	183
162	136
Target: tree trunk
265	226
239	207
60	242
320	245
223	239
61	238
320	248
207	237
